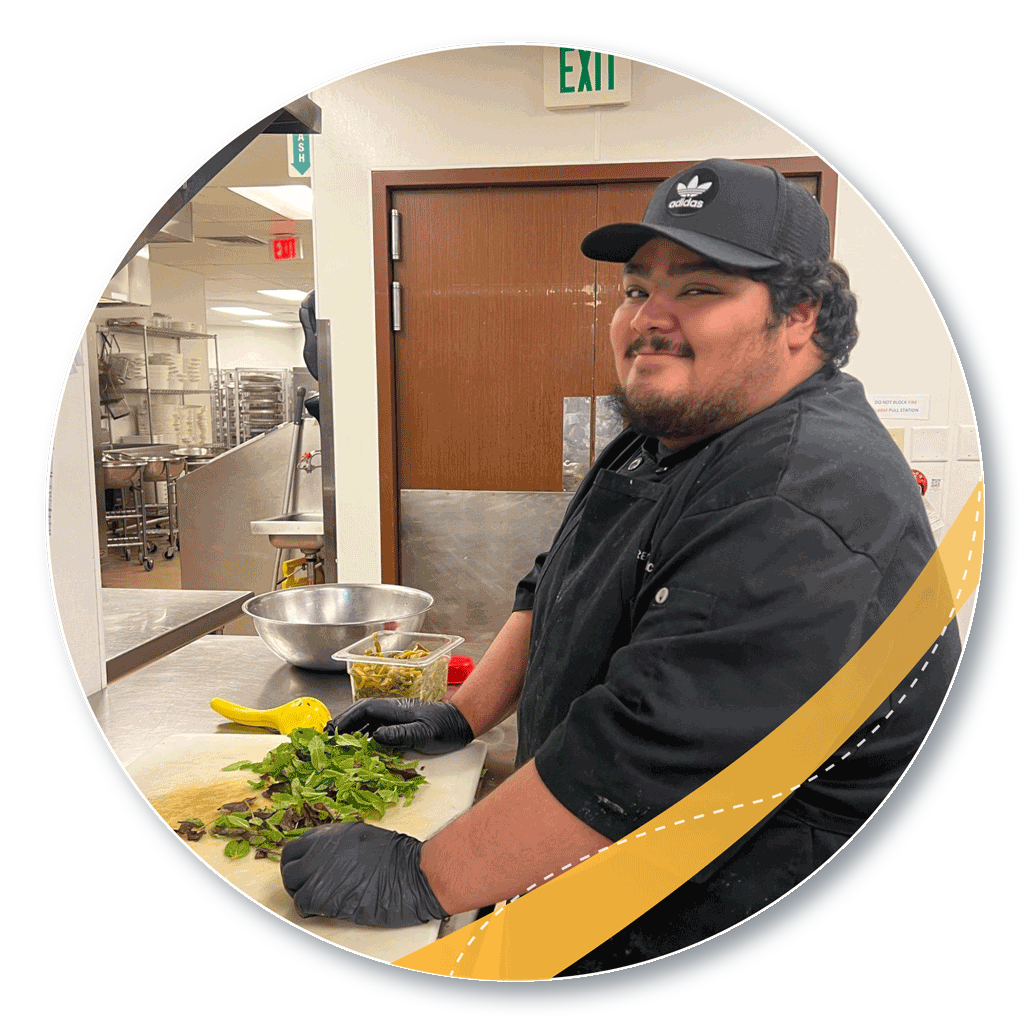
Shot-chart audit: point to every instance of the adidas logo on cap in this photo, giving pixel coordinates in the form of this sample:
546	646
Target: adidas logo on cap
689	194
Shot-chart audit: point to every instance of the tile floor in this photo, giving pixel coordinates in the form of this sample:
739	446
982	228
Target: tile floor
115	571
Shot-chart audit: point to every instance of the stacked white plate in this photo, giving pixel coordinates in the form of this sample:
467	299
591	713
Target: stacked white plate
166	422
136	372
159	376
194	374
166	368
190	423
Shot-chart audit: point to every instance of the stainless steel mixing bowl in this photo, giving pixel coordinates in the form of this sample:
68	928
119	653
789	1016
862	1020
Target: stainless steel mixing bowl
306	625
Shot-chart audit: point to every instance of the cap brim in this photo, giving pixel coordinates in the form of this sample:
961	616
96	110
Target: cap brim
618	243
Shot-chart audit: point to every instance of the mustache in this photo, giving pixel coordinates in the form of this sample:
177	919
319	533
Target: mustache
659	343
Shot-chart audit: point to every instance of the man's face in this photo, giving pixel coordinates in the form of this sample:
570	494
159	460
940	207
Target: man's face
692	349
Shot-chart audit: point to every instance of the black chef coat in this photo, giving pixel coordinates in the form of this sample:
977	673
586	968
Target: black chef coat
692	601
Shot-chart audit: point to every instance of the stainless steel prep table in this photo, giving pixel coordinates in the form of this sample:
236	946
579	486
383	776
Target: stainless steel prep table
173	695
140	626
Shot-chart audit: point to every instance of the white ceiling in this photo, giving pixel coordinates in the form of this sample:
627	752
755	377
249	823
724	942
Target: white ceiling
235	273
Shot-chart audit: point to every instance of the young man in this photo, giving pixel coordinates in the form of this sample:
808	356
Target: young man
726	555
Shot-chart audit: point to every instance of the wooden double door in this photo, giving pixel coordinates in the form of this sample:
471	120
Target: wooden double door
502	317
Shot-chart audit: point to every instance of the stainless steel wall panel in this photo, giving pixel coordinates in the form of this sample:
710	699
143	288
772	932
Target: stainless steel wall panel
469	549
575	441
218	501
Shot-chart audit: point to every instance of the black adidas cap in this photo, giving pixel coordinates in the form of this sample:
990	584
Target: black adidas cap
742	215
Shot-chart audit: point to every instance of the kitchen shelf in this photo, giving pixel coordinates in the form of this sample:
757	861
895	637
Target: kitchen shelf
190	363
140	330
167	391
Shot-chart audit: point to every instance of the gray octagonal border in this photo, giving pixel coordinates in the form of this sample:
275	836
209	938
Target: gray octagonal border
865	934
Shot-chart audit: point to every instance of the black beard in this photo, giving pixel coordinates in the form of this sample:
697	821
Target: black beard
669	419
686	419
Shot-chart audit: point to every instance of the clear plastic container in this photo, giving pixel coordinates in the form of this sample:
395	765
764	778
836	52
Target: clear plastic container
407	665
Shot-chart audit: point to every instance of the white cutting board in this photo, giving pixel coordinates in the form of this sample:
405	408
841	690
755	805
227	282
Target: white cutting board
181	776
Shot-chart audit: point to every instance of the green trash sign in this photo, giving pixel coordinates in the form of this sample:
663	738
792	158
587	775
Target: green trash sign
299	156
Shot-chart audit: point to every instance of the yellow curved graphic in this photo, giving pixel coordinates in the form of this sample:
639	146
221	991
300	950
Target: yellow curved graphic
539	934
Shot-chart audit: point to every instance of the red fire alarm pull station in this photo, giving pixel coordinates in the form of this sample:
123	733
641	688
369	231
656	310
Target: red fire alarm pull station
285	248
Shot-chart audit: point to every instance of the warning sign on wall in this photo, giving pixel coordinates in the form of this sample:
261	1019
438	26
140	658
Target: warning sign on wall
900	407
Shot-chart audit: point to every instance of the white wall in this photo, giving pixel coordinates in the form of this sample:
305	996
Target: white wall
483	106
74	550
259	347
179	294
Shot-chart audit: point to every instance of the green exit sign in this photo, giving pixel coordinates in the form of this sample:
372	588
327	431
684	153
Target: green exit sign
585	78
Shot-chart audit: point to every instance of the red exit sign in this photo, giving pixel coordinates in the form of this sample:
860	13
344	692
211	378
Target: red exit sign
286	248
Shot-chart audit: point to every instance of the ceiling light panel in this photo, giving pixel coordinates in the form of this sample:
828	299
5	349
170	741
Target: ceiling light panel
292	201
284	294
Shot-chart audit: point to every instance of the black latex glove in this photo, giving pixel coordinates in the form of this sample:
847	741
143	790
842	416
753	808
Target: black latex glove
359	873
429	727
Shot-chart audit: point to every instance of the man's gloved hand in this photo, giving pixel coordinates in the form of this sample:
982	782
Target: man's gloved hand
360	873
429	727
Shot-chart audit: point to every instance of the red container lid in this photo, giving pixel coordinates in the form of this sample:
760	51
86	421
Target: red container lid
458	669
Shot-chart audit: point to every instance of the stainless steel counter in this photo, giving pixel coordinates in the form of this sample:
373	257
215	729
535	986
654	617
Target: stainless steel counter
140	626
173	695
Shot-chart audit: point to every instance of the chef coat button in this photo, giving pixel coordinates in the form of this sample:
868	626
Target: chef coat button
636	462
661	596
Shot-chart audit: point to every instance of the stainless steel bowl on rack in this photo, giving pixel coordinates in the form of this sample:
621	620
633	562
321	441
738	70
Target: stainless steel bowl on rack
162	467
306	625
120	470
198	455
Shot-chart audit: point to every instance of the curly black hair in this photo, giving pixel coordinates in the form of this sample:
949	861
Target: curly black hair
827	285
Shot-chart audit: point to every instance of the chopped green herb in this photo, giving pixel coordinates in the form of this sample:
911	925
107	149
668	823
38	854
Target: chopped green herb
311	780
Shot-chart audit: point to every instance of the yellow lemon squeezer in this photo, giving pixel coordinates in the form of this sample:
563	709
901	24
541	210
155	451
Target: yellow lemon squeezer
303	713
